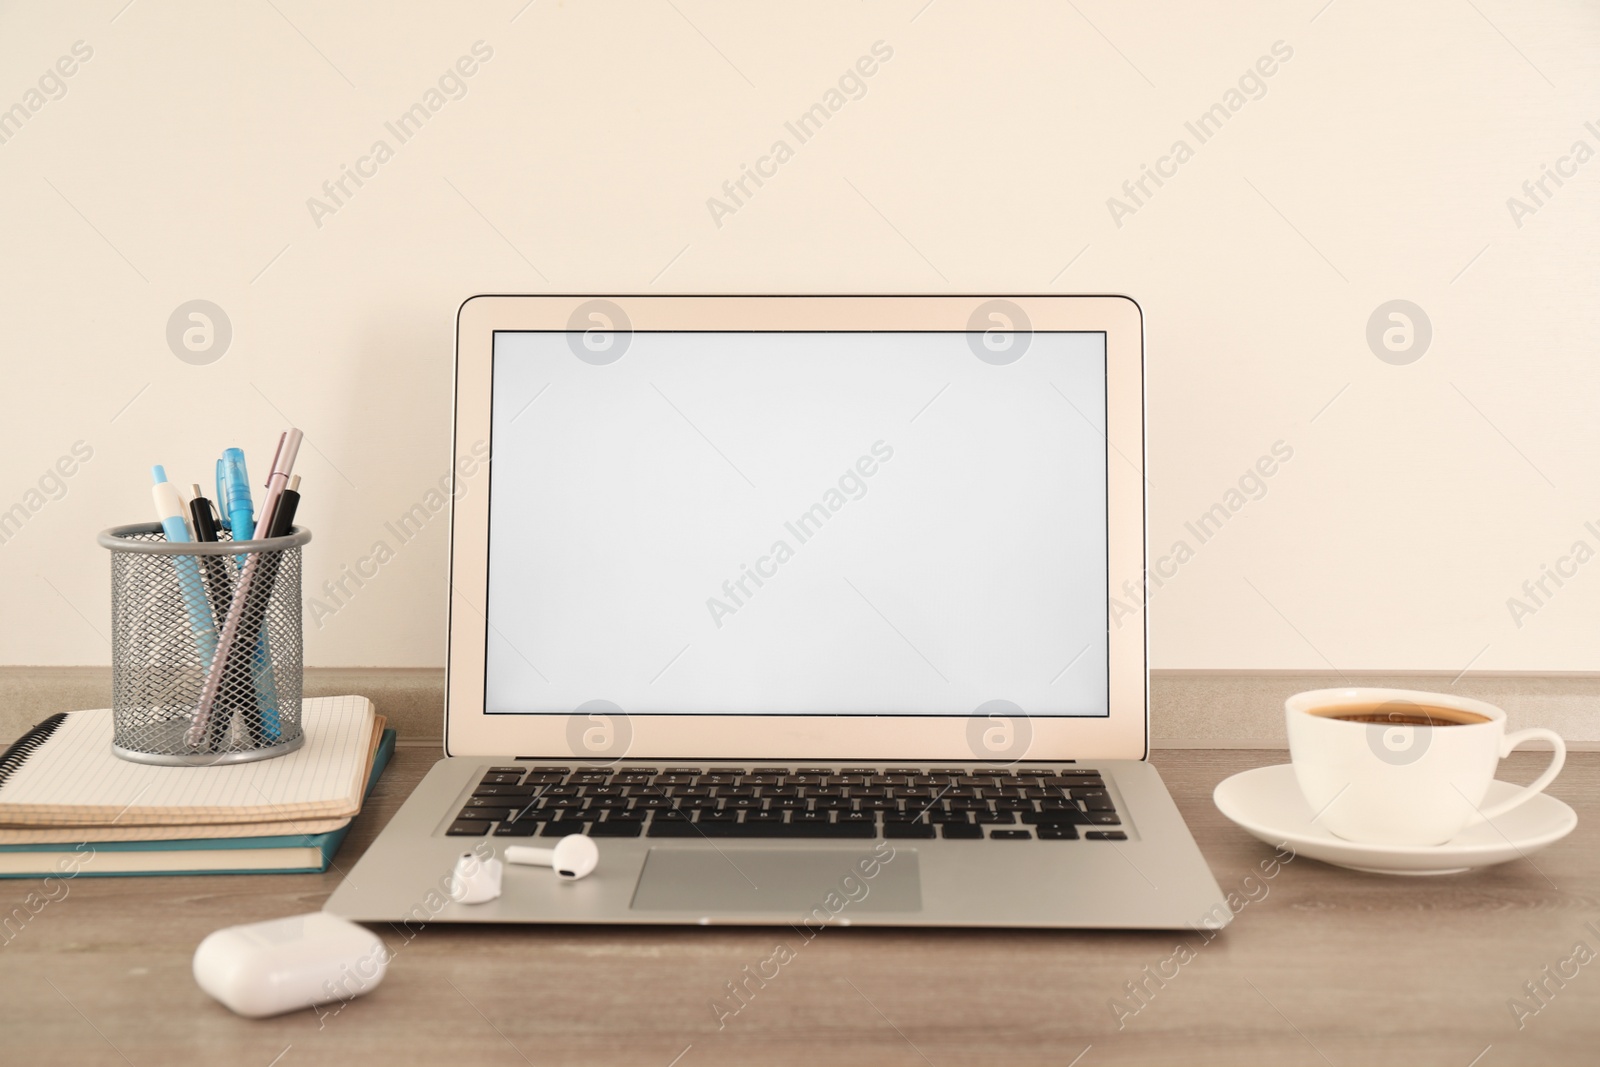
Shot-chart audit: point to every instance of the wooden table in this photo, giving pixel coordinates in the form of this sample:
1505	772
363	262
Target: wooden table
1323	966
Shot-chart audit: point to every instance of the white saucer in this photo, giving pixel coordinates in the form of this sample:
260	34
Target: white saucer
1267	803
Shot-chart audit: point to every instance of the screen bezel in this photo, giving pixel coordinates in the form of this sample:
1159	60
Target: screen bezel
1121	734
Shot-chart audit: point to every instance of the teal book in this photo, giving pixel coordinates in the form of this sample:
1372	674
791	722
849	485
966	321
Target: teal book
288	854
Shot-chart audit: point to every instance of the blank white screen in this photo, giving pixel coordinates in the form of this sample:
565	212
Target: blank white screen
637	511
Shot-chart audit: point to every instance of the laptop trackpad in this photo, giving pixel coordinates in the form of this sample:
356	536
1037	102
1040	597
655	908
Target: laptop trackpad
831	883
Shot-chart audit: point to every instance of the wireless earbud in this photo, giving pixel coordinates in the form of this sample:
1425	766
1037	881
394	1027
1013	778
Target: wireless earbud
573	857
475	880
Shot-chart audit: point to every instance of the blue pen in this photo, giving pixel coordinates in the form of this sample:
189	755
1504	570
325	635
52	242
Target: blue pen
169	509
236	482
224	521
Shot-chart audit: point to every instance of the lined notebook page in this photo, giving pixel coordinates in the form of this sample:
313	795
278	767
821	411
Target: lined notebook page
74	780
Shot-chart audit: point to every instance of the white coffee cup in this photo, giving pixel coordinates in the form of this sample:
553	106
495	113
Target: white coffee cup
1386	782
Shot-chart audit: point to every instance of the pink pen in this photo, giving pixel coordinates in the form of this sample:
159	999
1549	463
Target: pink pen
282	464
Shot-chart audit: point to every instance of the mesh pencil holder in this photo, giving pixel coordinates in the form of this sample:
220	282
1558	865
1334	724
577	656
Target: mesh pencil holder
206	652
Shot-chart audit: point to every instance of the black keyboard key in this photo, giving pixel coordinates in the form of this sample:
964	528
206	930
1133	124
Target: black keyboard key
907	829
755	818
867	817
1100	803
765	830
1057	833
651	803
616	829
740	803
513	778
682	770
552	770
993	817
799	817
1010	835
505	790
1106	835
717	779
467	828
517	829
607	802
823	830
708	817
1072	817
625	816
563	828
558	803
1104	818
962	832
507	770
491	814
602	791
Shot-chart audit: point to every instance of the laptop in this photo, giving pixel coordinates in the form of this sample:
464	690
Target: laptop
798	606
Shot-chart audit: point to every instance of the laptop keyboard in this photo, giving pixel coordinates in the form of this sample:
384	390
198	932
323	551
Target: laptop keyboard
801	802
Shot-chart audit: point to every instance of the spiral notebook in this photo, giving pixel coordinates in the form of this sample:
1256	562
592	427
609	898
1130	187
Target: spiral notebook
63	773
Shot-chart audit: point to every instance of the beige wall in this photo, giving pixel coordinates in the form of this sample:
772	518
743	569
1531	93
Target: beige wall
1376	166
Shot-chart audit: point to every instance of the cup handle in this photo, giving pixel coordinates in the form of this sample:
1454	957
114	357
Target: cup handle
1512	741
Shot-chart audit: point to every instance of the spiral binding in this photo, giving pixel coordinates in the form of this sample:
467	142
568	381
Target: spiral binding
27	745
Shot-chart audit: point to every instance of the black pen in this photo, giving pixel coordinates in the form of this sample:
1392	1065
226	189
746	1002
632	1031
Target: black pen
218	583
283	518
265	724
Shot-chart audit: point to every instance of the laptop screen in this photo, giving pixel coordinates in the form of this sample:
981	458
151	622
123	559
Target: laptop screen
797	523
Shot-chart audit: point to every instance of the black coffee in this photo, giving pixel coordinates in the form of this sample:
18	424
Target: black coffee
1401	713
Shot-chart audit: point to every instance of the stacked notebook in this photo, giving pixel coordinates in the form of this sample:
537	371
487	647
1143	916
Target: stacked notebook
69	806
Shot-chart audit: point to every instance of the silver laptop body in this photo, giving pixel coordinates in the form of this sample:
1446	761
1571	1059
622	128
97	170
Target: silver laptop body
799	607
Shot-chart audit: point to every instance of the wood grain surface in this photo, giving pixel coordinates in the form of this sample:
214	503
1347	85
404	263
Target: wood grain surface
1321	966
